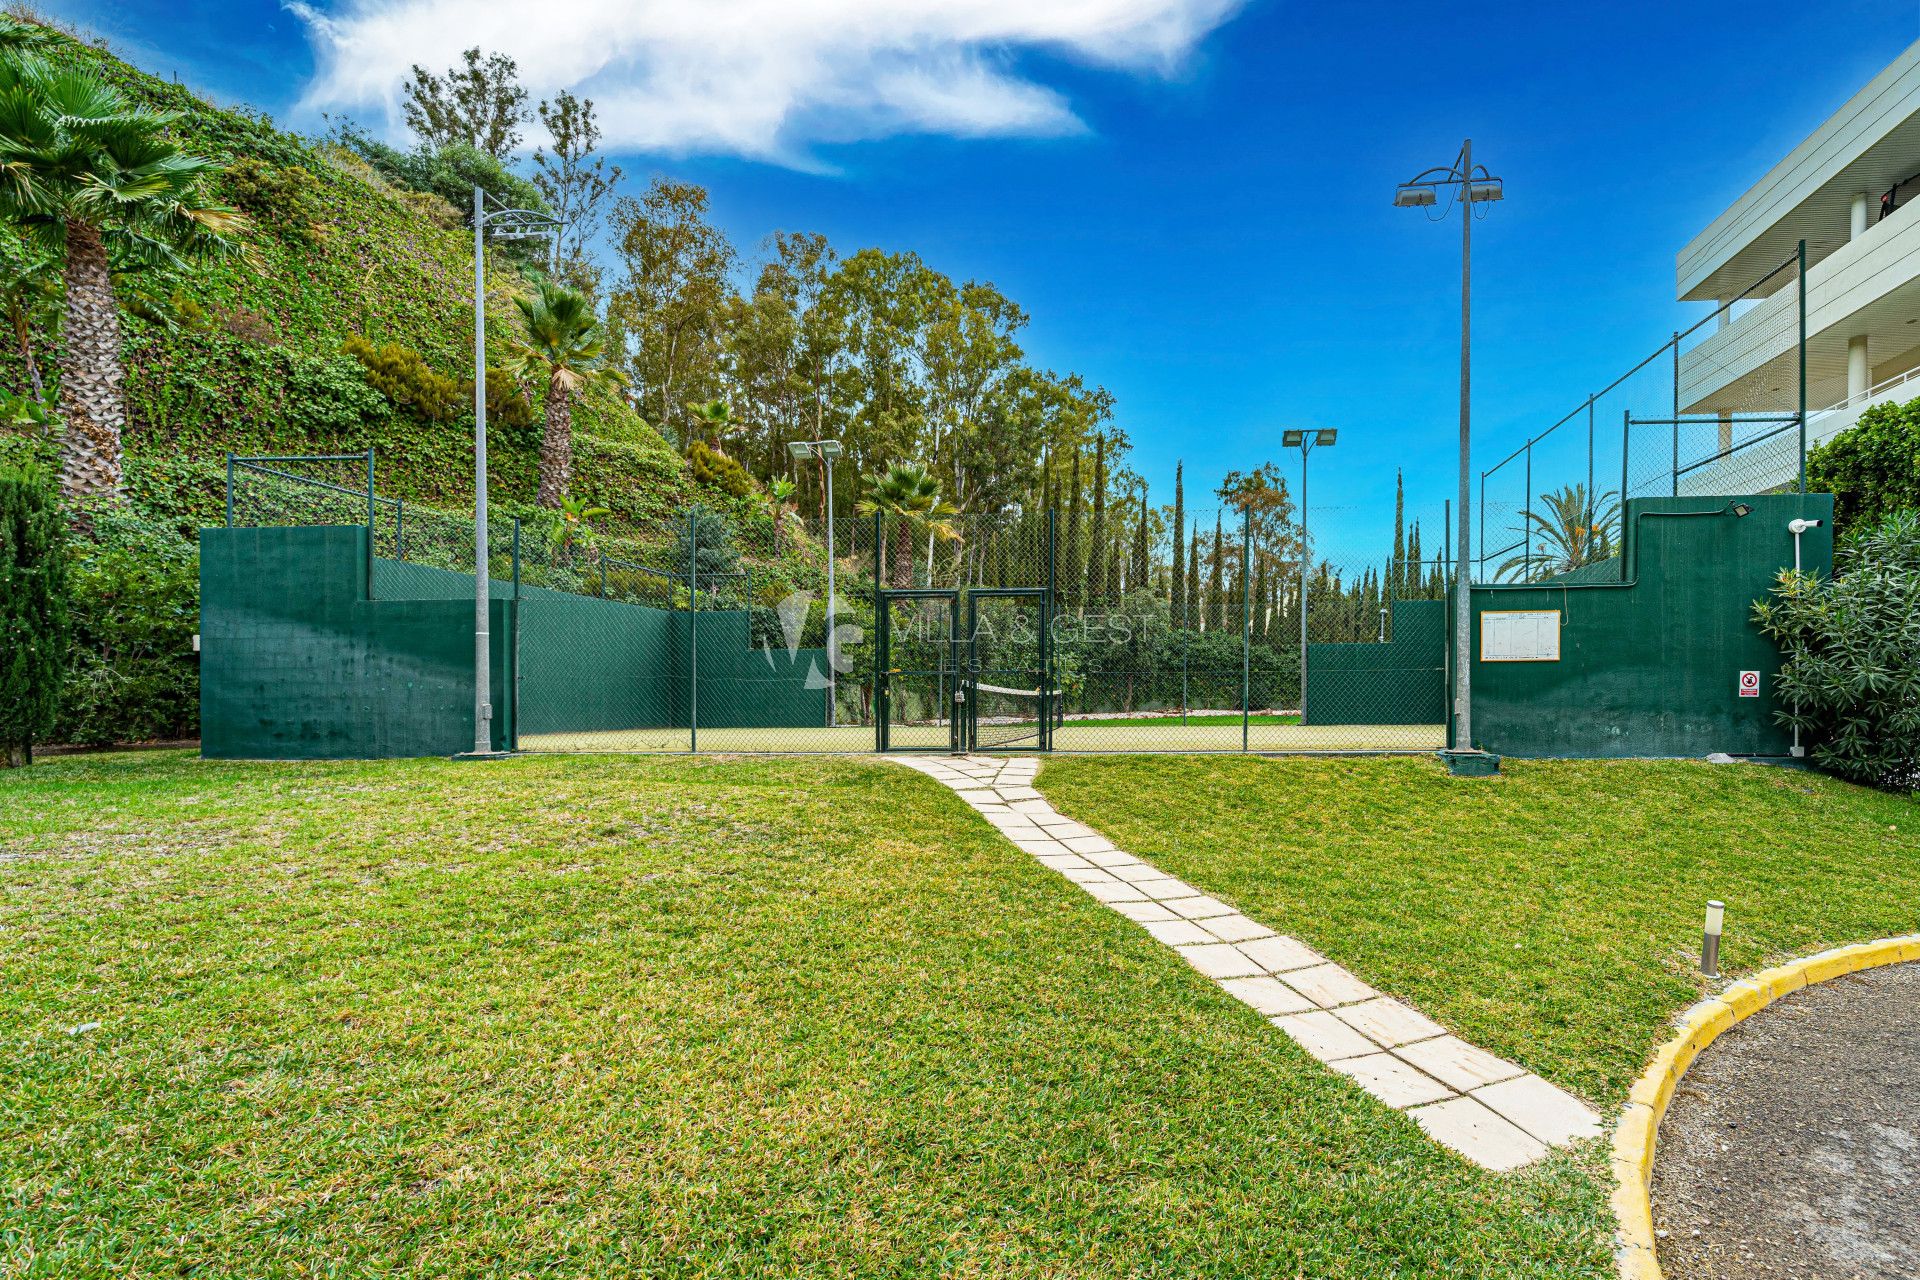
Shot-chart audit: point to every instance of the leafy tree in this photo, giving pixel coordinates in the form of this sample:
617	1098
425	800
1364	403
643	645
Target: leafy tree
909	497
1097	549
87	174
564	345
574	179
478	104
671	302
1850	681
34	626
1570	531
1138	564
1872	468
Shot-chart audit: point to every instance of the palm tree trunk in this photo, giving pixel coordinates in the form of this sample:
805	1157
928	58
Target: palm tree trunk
90	374
23	334
903	555
556	448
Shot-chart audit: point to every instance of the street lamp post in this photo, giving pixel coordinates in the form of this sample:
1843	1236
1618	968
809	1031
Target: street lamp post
1305	441
826	451
512	224
1476	186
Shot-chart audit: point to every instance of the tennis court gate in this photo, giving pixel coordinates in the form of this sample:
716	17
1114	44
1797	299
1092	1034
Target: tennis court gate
965	670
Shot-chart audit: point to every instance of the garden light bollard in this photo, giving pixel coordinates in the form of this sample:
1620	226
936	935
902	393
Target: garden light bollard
1710	938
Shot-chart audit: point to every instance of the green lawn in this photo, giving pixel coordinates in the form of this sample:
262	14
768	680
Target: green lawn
702	1017
1551	914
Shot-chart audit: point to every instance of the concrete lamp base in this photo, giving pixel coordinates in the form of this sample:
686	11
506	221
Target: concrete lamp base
1471	764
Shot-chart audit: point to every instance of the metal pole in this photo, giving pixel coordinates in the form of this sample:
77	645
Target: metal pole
1802	252
833	651
693	632
1246	625
229	489
372	519
400	528
1593	499
1675	491
1463	604
482	641
1526	519
1306	559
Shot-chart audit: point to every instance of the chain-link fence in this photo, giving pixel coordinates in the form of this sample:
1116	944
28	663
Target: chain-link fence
1087	629
1717	409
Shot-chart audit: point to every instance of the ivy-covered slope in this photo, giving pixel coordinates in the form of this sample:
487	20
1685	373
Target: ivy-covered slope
247	355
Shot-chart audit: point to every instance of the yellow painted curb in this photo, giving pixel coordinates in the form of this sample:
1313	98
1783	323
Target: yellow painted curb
1638	1130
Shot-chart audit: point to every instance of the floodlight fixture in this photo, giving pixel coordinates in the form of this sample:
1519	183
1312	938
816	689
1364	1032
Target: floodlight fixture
1484	189
1741	510
1415	195
1292	439
1326	436
826	450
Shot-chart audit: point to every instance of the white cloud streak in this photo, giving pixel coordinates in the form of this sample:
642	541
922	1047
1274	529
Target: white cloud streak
765	79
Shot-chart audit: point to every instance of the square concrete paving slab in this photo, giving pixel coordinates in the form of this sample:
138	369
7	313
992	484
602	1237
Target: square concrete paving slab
1087	844
1178	933
1017	792
1164	889
1143	912
1545	1111
1064	861
1091	875
1115	891
1219	960
1036	846
1325	1036
1054	820
1267	996
1280	954
1478	1134
1460	1064
1326	985
1237	928
1392	1081
1198	908
1122	863
1390	1022
1030	806
1070	829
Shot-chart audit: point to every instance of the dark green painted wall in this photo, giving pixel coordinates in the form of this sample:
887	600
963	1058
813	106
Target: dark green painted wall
298	663
1399	682
1650	665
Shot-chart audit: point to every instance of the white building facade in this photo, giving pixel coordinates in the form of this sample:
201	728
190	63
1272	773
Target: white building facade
1852	192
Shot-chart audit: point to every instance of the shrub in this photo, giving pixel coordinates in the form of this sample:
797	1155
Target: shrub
286	201
717	471
34	627
135	596
1851	679
403	376
1872	468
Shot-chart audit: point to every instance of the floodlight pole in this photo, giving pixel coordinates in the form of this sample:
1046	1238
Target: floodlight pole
824	452
520	223
482	589
1474	186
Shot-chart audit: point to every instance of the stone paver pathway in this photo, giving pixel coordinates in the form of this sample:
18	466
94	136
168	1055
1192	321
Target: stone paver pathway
1487	1109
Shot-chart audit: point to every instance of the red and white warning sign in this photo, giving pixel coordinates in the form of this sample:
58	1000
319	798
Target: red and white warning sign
1749	684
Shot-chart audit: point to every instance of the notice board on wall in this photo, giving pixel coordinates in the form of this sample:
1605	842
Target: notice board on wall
1520	635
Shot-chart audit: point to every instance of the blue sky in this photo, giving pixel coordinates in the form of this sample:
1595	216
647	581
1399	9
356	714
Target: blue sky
1193	199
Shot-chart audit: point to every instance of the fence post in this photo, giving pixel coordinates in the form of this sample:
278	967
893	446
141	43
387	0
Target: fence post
1246	623
1676	415
229	488
876	649
1802	291
1593	499
603	572
693	629
400	528
516	557
372	518
1526	522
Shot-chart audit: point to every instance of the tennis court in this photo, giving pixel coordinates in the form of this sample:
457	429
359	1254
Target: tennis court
1140	735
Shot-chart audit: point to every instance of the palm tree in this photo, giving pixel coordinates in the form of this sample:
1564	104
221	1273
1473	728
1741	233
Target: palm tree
565	344
87	175
1570	531
911	498
714	419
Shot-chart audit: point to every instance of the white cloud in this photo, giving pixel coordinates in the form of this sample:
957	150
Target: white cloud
760	78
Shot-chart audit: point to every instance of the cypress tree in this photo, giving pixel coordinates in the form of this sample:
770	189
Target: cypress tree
1177	601
1075	564
1396	572
1097	557
1216	596
1138	567
1193	579
35	631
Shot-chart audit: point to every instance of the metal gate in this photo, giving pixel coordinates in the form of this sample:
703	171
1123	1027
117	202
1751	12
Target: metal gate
1010	699
984	687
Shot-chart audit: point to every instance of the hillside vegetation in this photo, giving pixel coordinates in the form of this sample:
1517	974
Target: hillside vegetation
250	355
